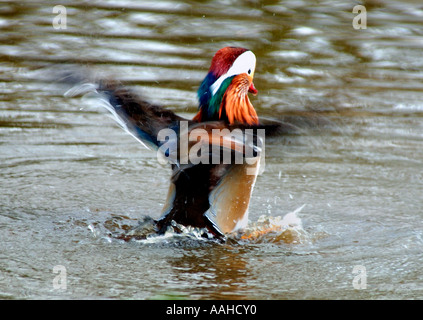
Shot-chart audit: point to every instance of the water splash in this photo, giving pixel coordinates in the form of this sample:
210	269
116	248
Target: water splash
287	229
145	233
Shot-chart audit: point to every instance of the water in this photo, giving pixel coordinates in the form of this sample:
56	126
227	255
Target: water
71	180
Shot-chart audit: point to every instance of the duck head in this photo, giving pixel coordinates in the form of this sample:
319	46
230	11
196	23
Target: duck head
223	94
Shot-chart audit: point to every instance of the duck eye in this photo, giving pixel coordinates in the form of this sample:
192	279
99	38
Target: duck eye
249	71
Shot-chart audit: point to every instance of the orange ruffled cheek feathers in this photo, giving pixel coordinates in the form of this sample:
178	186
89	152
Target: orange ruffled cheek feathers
236	103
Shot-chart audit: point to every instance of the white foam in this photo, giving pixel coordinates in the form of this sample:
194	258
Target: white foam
286	229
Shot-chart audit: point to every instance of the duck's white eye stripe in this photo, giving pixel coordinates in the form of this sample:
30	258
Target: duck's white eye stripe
245	63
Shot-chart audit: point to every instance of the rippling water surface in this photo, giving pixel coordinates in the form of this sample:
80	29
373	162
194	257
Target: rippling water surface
70	179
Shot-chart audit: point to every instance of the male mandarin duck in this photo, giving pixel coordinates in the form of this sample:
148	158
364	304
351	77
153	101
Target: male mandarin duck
206	194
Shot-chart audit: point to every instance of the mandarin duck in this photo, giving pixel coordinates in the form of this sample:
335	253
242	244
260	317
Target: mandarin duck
207	190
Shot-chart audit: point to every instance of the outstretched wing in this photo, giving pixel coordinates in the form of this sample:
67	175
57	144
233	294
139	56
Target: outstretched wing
138	117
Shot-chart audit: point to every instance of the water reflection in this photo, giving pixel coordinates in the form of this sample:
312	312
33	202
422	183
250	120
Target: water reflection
218	272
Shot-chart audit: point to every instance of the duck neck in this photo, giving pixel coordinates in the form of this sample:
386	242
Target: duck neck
235	106
230	103
210	104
